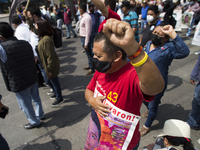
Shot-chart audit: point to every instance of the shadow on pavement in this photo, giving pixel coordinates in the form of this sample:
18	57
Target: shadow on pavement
68	114
175	81
170	111
53	145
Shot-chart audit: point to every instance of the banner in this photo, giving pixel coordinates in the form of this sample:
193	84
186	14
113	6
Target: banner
177	14
196	38
113	132
187	19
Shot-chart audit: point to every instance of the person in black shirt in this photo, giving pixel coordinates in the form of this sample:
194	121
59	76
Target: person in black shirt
150	24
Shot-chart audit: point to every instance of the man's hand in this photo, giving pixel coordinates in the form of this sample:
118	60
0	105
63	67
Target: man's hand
102	109
150	146
49	74
86	48
168	30
121	34
2	105
192	81
25	13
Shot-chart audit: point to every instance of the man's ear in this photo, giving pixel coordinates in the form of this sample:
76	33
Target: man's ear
118	56
108	6
3	39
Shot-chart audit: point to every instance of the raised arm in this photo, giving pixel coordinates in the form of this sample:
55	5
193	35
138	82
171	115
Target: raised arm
100	5
121	34
181	49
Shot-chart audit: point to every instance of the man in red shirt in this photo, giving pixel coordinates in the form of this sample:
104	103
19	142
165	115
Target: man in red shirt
107	9
118	87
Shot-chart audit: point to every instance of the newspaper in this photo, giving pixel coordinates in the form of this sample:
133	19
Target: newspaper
196	38
177	14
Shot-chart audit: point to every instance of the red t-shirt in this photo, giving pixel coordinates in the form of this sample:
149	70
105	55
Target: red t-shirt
111	14
122	89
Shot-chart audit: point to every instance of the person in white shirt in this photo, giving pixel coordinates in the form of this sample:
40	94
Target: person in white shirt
22	32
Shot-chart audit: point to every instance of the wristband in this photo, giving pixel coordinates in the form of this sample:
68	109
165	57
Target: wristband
141	62
136	53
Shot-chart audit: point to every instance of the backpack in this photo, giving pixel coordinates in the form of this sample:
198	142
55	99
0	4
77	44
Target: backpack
57	37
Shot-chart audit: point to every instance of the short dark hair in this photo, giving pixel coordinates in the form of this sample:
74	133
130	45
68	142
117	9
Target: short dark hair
126	4
51	9
83	6
16	20
35	11
91	5
109	48
5	30
154	8
111	3
96	121
44	28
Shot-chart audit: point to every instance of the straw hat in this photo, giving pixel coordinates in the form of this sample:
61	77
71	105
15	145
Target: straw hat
177	128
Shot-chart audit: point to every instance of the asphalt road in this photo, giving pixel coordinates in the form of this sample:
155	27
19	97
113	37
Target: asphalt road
66	125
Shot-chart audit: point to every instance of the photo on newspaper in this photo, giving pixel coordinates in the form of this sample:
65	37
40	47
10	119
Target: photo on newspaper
113	132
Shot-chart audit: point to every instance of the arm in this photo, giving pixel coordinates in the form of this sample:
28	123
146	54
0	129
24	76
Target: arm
140	39
3	55
181	49
151	81
49	52
96	103
88	26
196	8
100	5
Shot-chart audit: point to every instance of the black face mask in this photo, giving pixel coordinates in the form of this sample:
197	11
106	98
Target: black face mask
156	40
101	66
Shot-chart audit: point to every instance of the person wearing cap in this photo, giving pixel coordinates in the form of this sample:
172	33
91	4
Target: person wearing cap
175	136
130	17
144	14
164	47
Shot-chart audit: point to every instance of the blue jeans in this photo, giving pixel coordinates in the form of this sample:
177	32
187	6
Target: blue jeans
25	99
142	25
194	116
55	85
88	52
68	28
3	143
43	74
191	25
153	108
92	36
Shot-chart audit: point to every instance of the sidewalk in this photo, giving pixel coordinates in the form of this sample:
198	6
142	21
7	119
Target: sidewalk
4	15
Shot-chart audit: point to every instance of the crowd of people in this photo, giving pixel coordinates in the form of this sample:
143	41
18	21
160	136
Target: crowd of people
130	65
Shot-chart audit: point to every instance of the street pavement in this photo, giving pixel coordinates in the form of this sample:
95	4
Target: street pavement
65	126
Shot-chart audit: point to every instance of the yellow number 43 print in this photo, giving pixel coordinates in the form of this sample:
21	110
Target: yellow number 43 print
112	96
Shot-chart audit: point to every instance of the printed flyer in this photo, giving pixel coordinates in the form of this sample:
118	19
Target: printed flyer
177	14
113	132
196	38
186	19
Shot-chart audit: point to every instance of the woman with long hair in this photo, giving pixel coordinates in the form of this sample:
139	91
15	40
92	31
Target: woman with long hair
175	136
49	58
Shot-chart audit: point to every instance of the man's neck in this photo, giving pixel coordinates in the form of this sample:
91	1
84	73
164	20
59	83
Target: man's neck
118	66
